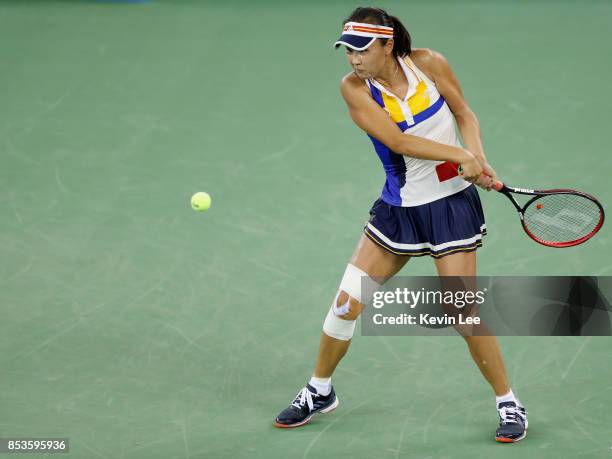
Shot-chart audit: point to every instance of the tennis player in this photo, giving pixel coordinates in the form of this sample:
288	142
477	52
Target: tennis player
408	101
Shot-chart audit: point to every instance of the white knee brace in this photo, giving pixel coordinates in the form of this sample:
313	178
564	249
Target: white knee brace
338	328
334	326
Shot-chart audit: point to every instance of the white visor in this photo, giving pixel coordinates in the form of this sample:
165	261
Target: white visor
360	36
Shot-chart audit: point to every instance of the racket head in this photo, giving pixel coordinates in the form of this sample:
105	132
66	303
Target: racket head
562	218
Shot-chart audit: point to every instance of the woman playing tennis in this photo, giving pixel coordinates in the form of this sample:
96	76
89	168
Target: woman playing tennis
407	101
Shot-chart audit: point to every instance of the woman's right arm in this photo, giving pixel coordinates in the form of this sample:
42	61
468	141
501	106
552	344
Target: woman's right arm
370	117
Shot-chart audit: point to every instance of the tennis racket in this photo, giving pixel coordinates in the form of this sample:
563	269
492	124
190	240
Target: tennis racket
556	218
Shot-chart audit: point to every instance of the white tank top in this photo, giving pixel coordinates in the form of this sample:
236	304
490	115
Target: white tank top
424	113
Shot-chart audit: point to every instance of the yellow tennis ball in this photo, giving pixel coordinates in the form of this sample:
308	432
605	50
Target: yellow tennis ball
200	201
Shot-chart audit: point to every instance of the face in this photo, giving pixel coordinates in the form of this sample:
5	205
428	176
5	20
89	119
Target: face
369	62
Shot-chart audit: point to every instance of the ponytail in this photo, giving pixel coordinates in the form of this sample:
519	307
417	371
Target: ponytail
402	43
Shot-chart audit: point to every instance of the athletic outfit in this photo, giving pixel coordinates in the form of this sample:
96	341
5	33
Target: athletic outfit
425	208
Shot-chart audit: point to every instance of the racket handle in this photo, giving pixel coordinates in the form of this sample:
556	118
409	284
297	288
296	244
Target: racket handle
497	185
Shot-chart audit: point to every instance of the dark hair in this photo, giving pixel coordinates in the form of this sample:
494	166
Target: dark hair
369	15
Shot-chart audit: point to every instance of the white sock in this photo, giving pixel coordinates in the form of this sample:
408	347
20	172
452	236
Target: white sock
322	385
509	397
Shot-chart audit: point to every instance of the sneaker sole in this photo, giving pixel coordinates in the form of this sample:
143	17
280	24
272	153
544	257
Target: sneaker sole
329	409
511	440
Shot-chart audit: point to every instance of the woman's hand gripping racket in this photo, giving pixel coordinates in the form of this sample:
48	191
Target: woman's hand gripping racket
556	218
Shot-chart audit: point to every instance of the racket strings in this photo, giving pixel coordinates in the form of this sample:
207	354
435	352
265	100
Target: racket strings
560	218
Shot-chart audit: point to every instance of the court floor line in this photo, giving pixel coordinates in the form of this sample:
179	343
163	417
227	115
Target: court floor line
316	437
29	123
594	395
82	318
517	363
403	432
578	352
186	338
272	269
429	419
282	152
20	272
582	429
185	441
158	440
19	154
17	215
58	178
390	349
45	343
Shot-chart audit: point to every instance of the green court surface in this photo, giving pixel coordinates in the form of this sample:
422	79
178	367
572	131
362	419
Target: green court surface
141	329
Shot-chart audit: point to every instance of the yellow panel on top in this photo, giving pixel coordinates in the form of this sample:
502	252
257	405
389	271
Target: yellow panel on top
419	101
392	105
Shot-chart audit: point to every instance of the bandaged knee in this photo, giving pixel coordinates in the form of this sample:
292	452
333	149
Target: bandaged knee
351	284
338	328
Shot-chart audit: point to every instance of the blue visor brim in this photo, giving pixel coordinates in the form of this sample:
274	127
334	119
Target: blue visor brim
355	42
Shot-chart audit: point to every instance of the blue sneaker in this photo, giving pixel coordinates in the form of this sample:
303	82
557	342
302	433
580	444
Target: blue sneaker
512	423
306	404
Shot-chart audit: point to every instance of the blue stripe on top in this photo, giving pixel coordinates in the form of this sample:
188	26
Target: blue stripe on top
428	112
376	94
422	116
393	163
395	170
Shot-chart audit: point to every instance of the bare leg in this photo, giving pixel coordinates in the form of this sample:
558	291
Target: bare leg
375	261
487	355
331	351
484	349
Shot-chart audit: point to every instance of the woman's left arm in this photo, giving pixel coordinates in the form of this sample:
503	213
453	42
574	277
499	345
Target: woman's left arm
449	87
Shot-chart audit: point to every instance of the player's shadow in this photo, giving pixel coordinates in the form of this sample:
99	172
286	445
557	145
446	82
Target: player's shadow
585	312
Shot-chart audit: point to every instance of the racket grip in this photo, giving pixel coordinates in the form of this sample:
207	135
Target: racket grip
497	185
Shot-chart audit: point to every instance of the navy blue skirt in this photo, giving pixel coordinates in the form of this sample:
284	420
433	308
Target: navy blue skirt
449	225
